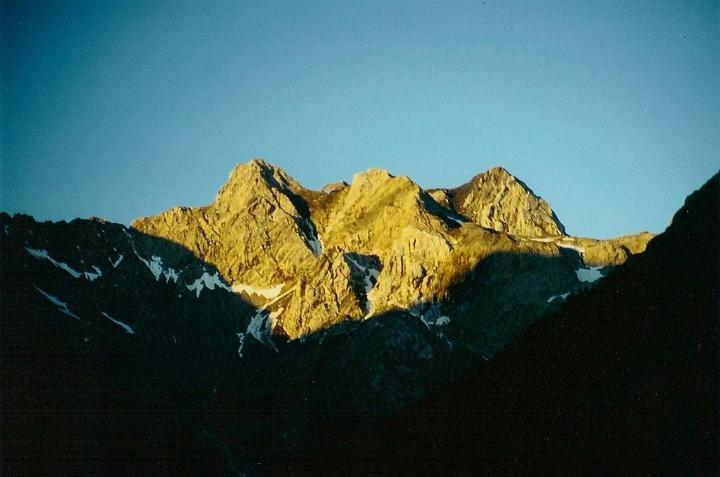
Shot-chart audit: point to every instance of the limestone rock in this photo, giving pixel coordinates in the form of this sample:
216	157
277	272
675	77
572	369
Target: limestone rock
258	232
497	200
313	260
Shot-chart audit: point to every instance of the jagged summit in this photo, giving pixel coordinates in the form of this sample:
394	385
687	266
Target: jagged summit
380	243
373	173
254	176
498	200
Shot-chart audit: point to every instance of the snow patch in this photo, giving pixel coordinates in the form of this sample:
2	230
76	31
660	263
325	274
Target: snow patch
456	220
544	240
124	326
43	255
207	281
171	274
429	315
117	261
571	246
93	276
268	293
311	237
241	338
62	306
155	264
589	275
261	326
370	278
562	296
369	274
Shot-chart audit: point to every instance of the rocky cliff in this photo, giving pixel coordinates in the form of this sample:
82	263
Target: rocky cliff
382	243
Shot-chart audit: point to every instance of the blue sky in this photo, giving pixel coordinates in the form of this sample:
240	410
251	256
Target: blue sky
610	110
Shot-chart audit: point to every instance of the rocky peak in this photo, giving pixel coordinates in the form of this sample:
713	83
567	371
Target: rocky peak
256	178
498	200
258	231
334	187
372	175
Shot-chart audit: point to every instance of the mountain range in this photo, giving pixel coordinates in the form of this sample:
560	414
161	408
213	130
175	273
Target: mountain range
245	337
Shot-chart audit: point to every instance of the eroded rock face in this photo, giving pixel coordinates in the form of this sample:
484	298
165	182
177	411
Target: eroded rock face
258	232
379	244
497	200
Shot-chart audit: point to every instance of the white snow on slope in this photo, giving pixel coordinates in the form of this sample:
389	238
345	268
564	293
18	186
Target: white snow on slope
262	324
454	219
207	281
369	274
171	274
544	239
268	293
92	276
241	338
155	265
117	261
260	327
588	275
43	255
430	316
119	323
312	238
562	296
62	306
211	281
571	246
316	245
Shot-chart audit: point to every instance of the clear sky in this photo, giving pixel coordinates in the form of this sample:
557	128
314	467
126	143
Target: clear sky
610	109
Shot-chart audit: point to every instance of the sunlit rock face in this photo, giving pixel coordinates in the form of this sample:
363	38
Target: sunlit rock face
381	243
497	200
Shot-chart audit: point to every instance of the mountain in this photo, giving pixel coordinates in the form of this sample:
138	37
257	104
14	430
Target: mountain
214	339
497	200
315	259
623	379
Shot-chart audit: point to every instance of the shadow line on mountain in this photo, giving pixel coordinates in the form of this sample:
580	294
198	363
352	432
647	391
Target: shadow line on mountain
356	373
622	379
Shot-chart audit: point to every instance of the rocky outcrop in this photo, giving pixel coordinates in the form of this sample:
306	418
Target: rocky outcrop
611	251
258	232
497	200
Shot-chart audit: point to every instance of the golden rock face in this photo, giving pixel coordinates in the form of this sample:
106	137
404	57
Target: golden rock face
497	200
378	244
